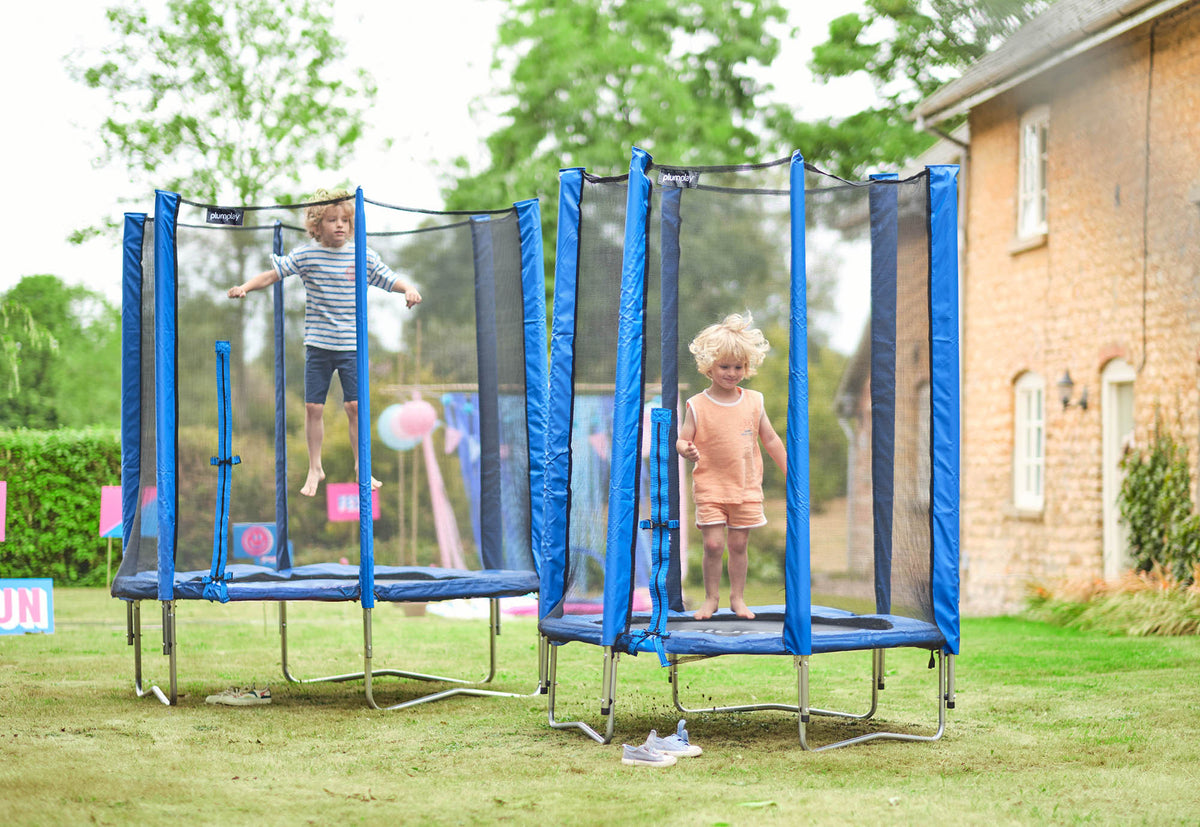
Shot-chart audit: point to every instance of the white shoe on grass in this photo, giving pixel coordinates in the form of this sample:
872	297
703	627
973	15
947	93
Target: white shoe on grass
676	744
240	696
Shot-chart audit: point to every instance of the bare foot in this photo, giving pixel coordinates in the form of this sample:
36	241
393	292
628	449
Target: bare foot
374	482
706	610
741	609
315	475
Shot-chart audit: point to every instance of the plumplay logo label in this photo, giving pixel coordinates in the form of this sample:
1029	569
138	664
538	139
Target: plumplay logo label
228	216
27	606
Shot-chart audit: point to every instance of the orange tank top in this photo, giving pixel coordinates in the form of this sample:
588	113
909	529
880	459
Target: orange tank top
730	469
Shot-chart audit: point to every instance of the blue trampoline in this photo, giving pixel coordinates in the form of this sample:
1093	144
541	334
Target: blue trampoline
213	448
643	262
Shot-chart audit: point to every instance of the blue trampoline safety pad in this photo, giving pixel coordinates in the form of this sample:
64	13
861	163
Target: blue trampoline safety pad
833	630
336	582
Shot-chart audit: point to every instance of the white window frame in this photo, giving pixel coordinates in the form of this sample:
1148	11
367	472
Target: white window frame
1029	442
1031	175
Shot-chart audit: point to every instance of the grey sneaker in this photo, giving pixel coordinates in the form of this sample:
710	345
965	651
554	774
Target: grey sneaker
645	757
676	744
240	696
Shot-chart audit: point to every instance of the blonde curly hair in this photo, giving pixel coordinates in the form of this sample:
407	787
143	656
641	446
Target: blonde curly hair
315	212
731	338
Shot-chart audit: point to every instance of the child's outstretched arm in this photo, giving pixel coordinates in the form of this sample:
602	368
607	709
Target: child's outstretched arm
772	444
687	432
411	295
264	279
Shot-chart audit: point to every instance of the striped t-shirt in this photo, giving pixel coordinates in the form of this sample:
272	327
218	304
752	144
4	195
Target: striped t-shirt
328	276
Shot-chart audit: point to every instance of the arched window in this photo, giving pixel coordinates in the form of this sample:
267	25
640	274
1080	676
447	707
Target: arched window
1029	441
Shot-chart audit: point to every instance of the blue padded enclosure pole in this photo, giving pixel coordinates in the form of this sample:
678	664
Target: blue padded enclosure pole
533	296
944	397
883	199
283	557
669	245
366	525
166	214
626	455
491	516
131	371
797	577
556	506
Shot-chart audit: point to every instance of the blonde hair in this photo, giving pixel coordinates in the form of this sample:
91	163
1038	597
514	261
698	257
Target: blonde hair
316	212
731	338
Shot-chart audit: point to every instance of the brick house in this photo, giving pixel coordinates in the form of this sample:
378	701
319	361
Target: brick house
1081	257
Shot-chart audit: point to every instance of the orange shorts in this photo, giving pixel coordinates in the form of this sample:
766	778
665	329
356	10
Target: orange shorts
733	515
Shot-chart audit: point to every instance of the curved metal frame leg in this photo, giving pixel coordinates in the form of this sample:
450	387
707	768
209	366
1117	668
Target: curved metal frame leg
945	692
607	699
876	685
471	689
133	637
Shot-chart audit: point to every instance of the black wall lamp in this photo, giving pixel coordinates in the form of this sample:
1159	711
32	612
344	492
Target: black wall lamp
1065	388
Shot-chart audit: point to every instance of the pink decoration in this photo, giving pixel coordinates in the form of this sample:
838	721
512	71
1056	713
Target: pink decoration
417	418
341	502
110	511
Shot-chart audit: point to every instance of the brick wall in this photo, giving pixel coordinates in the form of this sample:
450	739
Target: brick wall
1117	277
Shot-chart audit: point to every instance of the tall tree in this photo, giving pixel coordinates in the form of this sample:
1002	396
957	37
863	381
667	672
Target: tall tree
908	48
590	78
227	101
68	343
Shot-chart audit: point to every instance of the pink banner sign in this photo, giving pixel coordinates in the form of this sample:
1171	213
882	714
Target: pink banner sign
110	511
27	606
341	500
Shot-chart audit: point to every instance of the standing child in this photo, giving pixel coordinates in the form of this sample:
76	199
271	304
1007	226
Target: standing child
721	430
327	270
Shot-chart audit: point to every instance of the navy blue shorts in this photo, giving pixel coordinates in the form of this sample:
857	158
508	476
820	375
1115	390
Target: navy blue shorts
319	365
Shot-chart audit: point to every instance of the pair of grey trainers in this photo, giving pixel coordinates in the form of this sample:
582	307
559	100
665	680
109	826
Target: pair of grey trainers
659	751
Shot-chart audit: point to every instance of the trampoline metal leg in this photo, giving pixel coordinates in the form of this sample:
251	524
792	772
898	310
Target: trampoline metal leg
876	685
133	637
368	672
607	700
945	695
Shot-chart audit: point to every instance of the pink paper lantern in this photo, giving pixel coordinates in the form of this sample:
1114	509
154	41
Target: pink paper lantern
417	418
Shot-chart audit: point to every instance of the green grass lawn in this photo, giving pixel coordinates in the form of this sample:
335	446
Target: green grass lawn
1052	727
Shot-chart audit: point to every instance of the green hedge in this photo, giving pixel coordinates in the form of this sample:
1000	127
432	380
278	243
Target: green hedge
53	511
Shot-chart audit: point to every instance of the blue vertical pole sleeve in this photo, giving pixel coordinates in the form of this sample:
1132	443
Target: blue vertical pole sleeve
626	456
166	214
556	506
366	523
533	296
797	626
131	371
944	397
883	201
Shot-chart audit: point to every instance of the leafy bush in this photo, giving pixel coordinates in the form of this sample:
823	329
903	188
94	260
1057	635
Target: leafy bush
53	510
1156	506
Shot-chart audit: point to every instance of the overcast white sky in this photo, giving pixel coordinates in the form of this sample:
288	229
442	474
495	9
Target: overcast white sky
50	142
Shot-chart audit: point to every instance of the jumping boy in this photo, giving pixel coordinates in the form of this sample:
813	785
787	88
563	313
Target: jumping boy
721	430
327	270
